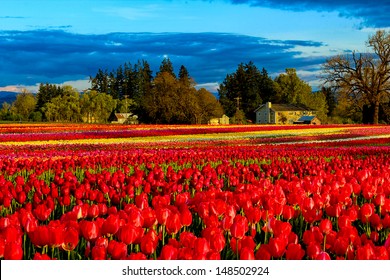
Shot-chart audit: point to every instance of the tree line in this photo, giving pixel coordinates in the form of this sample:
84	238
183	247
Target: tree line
164	98
356	89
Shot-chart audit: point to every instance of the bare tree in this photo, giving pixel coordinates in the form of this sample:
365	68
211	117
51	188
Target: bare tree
363	78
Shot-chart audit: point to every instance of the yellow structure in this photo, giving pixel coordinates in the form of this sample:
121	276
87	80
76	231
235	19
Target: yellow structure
269	113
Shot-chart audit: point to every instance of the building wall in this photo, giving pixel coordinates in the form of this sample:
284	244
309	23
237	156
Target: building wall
267	116
264	115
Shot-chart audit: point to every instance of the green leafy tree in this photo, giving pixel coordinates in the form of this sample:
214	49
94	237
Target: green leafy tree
291	88
45	94
97	106
207	107
25	104
161	104
64	108
125	105
6	113
331	99
317	101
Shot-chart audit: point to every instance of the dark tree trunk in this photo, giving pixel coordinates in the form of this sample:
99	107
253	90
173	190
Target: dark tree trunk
376	113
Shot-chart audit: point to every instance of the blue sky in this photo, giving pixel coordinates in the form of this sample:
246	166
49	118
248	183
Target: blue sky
64	42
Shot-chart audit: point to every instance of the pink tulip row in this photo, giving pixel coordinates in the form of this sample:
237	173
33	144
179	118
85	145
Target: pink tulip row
73	132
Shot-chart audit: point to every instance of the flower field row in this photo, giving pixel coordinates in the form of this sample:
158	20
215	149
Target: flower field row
31	133
154	200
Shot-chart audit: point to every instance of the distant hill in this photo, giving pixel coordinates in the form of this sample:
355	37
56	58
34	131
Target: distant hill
7	96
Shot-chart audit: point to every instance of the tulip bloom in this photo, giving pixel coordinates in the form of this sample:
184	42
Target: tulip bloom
239	227
117	250
89	230
13	251
70	239
99	253
323	256
294	252
247	254
173	224
168	252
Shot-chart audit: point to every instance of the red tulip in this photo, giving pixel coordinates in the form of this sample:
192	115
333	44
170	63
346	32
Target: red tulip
323	256
201	246
344	221
263	253
136	256
217	241
375	221
42	212
93	211
340	246
39	256
149	242
212	255
366	211
110	225
102	209
13	251
12	233
162	215
325	226
70	239
168	252
40	236
56	235
239	227
99	252
89	230
247	254
149	216
4	222
187	239
185	217
128	234
2	247
117	250
277	246
141	201
381	253
288	212
313	249
365	252
294	252
135	217
173	224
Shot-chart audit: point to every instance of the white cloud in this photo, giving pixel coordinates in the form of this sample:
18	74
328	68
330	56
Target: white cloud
80	85
212	87
10	88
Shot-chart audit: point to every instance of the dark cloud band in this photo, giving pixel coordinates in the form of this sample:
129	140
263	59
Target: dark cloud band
372	13
31	57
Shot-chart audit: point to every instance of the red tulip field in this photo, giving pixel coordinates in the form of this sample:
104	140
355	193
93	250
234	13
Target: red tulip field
93	192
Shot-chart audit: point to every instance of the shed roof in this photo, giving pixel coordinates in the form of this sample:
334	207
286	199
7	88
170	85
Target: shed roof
306	118
285	107
289	107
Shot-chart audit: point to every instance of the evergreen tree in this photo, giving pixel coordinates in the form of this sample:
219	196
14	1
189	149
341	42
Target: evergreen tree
166	66
245	90
100	81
